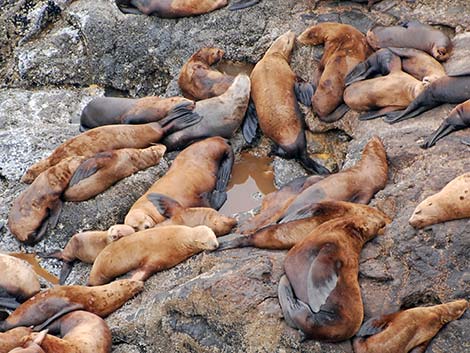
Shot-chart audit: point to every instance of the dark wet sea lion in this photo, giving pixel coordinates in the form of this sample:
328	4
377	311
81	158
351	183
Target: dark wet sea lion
320	293
13	338
406	331
150	251
345	47
412	34
452	202
221	115
40	204
198	80
208	163
101	171
112	110
111	137
80	332
191	216
285	235
458	119
48	305
272	91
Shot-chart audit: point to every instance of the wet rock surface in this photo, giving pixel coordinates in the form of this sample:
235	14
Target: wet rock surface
57	51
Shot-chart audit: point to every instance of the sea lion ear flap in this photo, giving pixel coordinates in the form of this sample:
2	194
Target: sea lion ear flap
375	325
165	205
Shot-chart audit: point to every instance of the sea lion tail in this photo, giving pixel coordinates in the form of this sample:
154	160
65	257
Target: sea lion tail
311	165
242	4
234	240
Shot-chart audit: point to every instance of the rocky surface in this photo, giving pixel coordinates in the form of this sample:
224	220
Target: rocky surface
56	52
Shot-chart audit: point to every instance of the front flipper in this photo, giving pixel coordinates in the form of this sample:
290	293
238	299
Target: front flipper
219	195
304	92
337	114
242	4
250	124
362	71
314	167
375	325
374	114
65	272
58	315
179	110
300	214
90	167
413	110
292	308
444	130
165	205
230	242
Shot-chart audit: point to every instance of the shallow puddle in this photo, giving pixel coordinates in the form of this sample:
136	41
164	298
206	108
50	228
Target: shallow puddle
32	260
234	68
252	178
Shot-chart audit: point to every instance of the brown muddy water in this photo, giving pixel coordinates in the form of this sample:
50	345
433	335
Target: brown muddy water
252	178
234	68
33	261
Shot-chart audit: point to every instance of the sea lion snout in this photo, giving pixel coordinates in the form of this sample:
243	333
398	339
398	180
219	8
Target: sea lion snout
118	231
454	310
139	220
206	238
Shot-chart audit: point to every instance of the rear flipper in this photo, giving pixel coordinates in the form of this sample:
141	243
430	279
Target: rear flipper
304	92
7	300
374	114
231	242
125	7
452	123
165	205
65	272
362	71
59	314
250	124
337	114
219	195
242	4
179	110
312	166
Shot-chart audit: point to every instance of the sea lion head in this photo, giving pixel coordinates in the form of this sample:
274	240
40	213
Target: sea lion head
426	213
219	223
210	55
139	220
283	45
453	310
205	238
118	231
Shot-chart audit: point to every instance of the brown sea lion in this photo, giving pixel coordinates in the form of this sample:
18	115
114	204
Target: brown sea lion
208	163
369	2
40	204
408	330
198	80
48	305
112	110
221	115
18	281
101	171
284	236
86	246
357	184
31	344
191	216
112	137
452	202
412	34
345	47
320	293
178	8
150	251
80	332
274	97
458	119
13	338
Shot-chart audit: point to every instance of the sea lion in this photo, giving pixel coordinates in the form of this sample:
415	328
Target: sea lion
111	137
458	119
191	216
345	47
48	305
408	330
150	251
31	344
39	205
454	90
198	80
18	281
320	293
178	8
412	34
274	98
86	246
198	177
101	171
452	202
285	235
80	331
13	338
113	110
221	115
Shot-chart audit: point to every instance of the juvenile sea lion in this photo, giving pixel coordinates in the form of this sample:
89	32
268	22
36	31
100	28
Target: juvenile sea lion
112	110
86	246
285	235
458	119
18	281
101	171
31	344
276	104
40	204
407	330
150	251
112	137
198	80
178	8
13	338
452	202
48	305
198	177
221	115
191	216
320	293
81	332
345	47
412	34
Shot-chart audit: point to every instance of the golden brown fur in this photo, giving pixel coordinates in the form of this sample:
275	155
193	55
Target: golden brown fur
13	338
18	277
